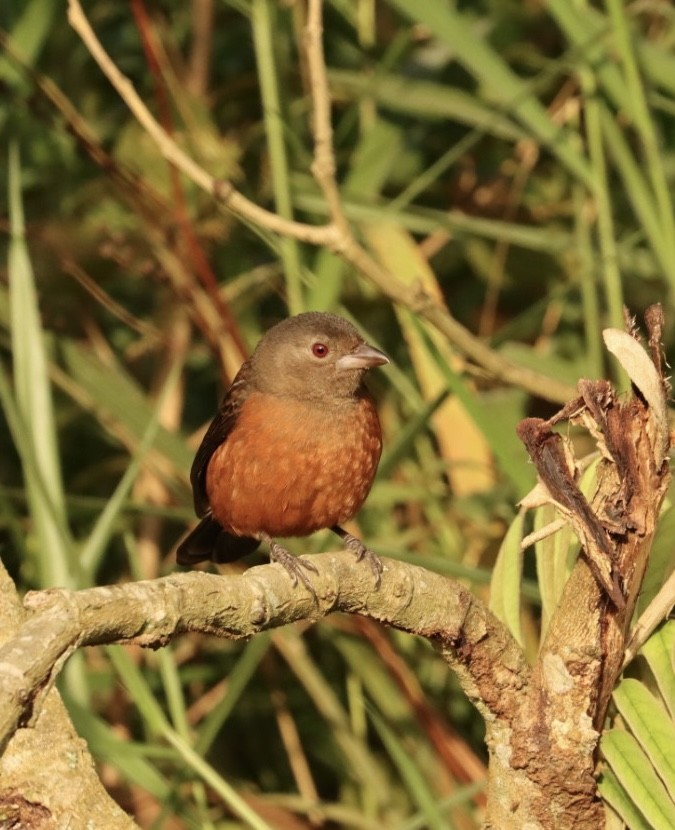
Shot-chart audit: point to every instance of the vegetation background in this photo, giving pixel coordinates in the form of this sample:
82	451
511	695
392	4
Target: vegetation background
516	160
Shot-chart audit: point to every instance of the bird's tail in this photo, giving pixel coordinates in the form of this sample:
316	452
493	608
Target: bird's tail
209	541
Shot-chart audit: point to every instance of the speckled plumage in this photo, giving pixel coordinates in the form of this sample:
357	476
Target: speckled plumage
294	447
311	468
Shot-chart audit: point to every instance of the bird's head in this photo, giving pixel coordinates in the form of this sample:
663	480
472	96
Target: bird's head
314	356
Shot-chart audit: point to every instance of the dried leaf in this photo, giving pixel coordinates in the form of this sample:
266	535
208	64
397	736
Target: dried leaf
645	376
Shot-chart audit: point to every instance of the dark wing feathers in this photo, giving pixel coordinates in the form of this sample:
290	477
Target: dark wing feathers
218	430
208	540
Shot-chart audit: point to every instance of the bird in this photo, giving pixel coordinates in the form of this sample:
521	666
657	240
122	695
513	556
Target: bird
293	448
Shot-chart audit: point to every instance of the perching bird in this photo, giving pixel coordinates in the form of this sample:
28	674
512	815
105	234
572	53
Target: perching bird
293	449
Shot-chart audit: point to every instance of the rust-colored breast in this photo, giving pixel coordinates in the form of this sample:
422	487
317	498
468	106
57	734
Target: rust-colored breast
289	468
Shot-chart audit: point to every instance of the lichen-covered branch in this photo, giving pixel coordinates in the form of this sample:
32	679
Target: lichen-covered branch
47	776
151	613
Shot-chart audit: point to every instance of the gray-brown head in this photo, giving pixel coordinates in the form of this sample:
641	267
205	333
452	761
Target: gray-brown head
313	356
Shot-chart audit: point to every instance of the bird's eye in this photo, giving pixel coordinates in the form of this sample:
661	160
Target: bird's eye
319	349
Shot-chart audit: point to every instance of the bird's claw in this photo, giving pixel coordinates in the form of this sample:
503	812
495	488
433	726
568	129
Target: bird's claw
364	553
293	566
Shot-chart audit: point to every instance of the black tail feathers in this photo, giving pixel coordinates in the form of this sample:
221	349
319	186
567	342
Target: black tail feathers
209	541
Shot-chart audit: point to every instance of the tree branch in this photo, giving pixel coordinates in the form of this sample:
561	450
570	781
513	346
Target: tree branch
580	660
50	752
336	235
152	613
223	191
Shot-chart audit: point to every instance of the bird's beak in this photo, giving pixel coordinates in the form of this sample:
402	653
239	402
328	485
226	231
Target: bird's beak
364	356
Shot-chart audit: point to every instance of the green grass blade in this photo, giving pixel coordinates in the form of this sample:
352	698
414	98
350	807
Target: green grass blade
174	692
504	86
585	272
157	724
636	101
95	545
460	798
237	682
640	197
425	220
118	402
611	276
125	755
263	20
412	776
34	405
425	100
210	777
371	164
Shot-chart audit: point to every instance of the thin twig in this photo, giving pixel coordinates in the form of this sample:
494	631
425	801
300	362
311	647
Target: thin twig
223	191
324	170
336	235
323	167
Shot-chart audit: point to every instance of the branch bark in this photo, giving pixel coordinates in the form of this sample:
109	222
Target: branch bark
152	613
47	776
552	753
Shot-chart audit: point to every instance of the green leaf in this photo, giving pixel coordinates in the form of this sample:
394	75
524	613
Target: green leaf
490	412
505	590
555	555
505	88
659	652
661	561
37	441
636	775
29	35
619	800
648	720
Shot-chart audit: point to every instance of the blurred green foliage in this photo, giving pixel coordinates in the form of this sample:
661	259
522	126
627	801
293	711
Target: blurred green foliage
516	159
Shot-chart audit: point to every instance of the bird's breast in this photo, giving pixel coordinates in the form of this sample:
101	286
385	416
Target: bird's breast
289	468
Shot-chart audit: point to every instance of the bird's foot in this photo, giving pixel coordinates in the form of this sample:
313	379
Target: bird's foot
362	553
293	566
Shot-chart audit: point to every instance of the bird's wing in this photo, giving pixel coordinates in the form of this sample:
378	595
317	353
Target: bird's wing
218	430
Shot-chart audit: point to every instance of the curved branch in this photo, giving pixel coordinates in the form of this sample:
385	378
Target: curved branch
27	797
491	664
337	236
223	191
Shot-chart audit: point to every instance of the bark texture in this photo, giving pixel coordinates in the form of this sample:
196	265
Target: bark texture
543	763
